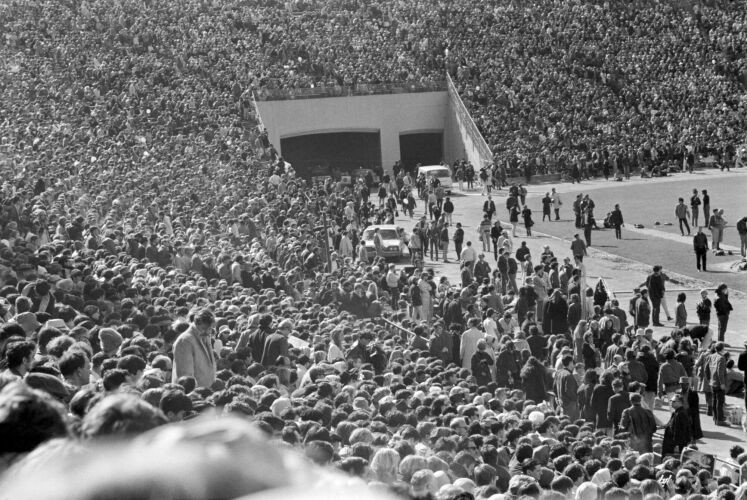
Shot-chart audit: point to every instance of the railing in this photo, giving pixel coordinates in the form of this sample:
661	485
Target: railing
477	150
361	89
408	333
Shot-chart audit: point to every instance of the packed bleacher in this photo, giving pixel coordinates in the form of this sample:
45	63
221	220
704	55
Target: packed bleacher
170	288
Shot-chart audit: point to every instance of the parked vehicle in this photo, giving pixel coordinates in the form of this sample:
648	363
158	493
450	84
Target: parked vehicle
394	237
441	172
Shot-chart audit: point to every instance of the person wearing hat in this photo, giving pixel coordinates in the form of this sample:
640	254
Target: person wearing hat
678	431
27	320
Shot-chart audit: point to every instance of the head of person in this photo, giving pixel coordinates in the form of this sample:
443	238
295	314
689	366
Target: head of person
204	320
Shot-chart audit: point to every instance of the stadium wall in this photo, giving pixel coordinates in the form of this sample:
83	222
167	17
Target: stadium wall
391	115
461	124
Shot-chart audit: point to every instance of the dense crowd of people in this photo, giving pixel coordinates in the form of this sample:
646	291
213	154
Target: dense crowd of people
161	266
599	86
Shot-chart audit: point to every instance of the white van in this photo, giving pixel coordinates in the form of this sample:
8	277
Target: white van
441	172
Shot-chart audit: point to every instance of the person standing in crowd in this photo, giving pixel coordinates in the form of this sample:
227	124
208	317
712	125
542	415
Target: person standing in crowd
469	257
276	344
706	208
458	240
695	207
444	237
742	231
578	248
691	402
703	308
578	210
526	214
488	208
566	388
678	431
723	309
682	214
717	369
616	219
513	218
193	350
469	341
546	207
448	209
718	226
680	311
556	203
642	312
742	366
700	245
617	404
640	425
669	375
484	230
656	291
495	235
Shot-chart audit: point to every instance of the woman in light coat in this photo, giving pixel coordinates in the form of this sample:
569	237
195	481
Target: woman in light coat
578	340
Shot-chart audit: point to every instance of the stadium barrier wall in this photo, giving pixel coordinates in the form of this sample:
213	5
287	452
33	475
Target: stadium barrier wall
476	150
390	114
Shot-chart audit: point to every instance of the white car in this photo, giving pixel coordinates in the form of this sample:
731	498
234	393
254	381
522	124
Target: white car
394	238
441	172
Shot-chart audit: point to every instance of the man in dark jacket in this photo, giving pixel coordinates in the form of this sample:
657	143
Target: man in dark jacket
655	285
636	370
677	434
648	359
359	349
537	343
700	245
257	339
276	344
503	268
642	310
566	388
441	343
616	219
640	424
617	404
555	317
742	365
691	402
454	315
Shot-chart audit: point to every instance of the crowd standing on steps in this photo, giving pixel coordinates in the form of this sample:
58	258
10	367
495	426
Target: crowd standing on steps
182	316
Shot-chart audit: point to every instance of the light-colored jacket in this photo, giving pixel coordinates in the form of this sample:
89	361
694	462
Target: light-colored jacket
468	346
193	357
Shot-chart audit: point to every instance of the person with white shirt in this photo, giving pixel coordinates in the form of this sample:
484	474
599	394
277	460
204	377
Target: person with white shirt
469	255
468	345
392	284
556	203
508	323
505	241
490	326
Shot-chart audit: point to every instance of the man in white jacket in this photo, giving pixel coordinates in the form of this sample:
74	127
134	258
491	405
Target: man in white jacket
468	345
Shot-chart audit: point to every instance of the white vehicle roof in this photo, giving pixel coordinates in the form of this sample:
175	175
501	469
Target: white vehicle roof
431	168
383	226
